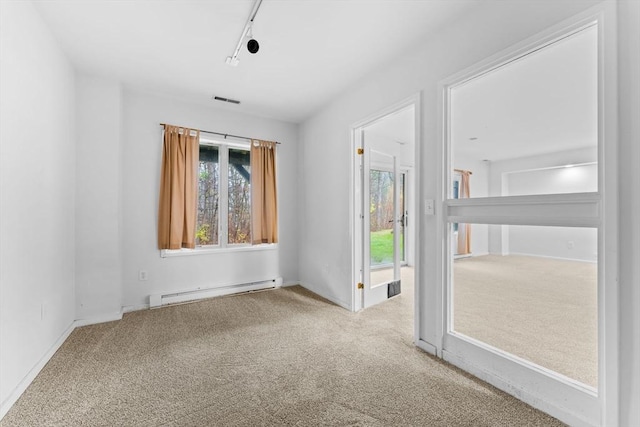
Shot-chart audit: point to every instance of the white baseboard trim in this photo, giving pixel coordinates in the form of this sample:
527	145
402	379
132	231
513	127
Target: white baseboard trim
130	308
538	402
427	347
552	257
33	373
332	298
103	318
287	284
477	254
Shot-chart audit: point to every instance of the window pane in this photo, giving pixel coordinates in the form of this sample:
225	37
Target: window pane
381	216
530	126
534	295
208	196
239	196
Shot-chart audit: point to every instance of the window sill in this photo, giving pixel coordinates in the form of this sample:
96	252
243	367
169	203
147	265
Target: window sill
204	250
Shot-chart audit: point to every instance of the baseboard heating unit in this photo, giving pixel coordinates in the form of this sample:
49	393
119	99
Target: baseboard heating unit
160	300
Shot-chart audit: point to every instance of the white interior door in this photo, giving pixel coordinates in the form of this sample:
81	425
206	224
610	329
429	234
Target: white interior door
382	218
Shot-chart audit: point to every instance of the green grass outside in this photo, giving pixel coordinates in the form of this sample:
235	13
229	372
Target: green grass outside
382	247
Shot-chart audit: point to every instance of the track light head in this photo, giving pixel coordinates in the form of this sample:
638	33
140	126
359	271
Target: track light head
253	46
247	34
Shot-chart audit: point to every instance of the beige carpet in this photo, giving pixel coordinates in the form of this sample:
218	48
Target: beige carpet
543	310
282	357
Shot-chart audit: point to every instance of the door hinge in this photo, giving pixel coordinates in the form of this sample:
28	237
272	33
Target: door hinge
360	150
360	285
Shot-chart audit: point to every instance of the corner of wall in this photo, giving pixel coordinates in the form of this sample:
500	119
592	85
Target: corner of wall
98	204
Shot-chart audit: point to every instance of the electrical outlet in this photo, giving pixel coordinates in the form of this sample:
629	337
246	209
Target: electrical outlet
142	275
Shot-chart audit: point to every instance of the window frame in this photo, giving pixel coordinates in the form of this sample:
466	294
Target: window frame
597	210
223	219
223	245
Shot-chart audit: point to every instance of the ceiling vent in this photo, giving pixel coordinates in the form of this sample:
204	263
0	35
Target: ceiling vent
233	101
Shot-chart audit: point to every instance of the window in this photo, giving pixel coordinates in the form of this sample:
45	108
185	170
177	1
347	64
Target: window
529	234
239	196
224	195
207	231
227	203
524	230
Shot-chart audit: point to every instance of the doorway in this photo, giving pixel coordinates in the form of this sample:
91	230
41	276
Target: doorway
384	188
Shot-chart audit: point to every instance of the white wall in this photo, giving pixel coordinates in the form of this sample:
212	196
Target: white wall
502	172
629	205
556	180
524	176
544	174
575	243
571	243
142	153
37	170
98	206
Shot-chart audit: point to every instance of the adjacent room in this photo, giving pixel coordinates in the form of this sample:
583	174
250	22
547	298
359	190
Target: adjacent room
359	212
529	128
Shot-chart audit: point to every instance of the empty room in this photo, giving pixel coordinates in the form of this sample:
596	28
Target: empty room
357	212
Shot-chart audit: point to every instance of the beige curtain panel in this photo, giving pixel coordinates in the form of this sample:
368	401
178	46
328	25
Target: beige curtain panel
464	230
178	188
264	206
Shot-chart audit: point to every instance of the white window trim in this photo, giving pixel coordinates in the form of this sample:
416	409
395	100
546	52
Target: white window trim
215	249
599	210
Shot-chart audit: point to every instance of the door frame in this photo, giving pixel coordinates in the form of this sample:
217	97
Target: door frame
544	391
355	198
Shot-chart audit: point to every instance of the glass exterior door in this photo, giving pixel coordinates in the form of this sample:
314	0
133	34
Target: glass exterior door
383	226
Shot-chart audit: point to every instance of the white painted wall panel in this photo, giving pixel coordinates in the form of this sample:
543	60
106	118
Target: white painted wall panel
99	190
37	174
629	214
142	154
574	243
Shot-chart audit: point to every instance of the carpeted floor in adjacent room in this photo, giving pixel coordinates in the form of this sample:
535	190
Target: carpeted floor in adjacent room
280	357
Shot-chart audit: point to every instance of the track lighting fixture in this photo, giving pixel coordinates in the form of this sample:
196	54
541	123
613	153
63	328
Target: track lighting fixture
252	45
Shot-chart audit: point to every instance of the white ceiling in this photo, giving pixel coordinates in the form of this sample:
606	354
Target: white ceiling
394	134
543	103
397	127
310	51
